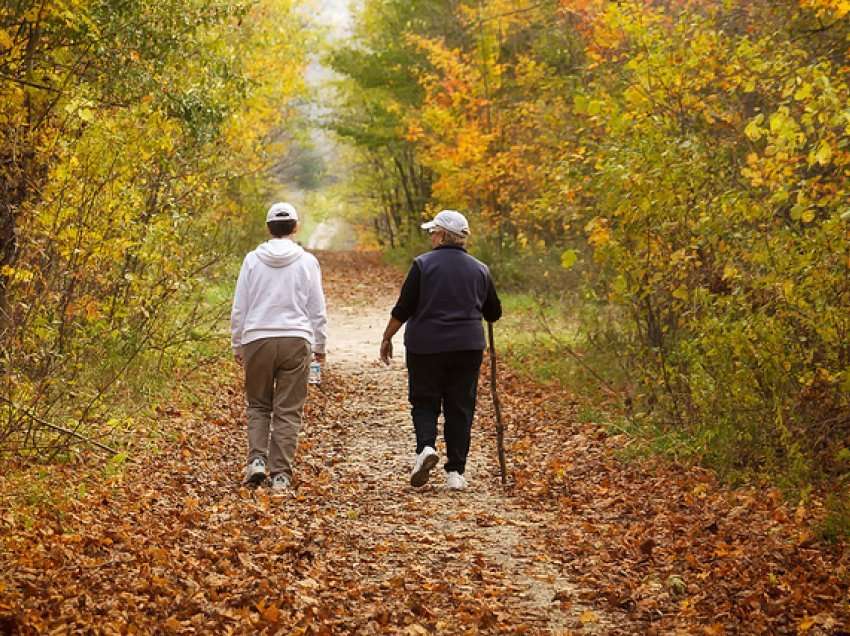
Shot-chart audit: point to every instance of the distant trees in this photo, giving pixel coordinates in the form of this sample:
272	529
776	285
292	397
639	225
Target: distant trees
383	92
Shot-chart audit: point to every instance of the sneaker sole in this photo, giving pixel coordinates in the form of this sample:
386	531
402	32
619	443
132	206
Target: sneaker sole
420	477
256	479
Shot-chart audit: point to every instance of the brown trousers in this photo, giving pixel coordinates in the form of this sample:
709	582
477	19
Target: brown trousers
276	371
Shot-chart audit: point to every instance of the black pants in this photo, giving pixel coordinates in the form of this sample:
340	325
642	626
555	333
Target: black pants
447	381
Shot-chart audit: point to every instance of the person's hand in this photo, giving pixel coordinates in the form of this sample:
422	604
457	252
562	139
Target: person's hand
320	357
240	359
386	350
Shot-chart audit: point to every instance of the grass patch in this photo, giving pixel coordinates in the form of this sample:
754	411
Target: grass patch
835	526
540	337
544	343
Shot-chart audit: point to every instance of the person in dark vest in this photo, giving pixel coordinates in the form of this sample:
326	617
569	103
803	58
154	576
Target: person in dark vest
443	299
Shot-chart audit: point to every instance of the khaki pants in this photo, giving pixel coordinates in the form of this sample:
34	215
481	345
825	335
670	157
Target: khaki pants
276	371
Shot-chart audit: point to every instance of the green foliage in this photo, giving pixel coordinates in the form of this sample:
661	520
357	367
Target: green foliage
402	256
532	331
115	465
733	327
836	525
379	91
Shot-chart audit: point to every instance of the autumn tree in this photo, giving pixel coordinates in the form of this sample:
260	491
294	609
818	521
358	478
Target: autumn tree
380	88
134	135
687	161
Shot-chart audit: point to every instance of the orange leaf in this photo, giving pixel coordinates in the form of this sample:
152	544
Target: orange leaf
271	614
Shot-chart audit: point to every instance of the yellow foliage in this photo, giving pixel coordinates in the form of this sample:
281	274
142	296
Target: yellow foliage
131	172
699	152
836	9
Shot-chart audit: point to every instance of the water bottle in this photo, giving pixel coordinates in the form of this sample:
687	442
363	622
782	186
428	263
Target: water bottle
315	372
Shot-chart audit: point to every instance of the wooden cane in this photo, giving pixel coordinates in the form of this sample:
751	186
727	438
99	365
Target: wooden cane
500	427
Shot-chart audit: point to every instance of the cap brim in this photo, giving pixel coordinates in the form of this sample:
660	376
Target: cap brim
429	225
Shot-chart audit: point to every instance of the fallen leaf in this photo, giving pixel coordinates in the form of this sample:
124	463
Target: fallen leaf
588	616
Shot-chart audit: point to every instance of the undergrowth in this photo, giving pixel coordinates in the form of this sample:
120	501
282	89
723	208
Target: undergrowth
562	338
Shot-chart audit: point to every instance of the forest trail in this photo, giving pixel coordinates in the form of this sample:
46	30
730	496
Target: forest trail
464	560
177	545
579	542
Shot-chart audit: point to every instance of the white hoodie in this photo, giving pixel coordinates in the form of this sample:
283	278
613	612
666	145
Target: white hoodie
279	293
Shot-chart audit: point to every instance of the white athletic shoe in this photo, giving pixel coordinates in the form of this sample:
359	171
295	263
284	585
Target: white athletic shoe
425	461
455	481
255	474
280	483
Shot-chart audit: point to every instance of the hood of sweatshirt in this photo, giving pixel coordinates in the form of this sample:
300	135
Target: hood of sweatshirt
279	252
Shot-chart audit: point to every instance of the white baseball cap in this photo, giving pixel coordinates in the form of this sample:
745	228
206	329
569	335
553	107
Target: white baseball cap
450	220
281	212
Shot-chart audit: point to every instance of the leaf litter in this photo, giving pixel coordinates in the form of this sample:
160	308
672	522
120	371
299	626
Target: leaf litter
579	541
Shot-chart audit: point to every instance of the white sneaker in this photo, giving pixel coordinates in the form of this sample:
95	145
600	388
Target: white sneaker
455	481
425	461
256	472
280	482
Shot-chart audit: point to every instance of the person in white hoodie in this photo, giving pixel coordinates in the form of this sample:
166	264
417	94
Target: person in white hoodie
278	324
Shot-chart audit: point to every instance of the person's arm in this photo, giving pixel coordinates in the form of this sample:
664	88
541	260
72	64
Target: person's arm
237	312
408	298
387	341
317	313
492	307
405	307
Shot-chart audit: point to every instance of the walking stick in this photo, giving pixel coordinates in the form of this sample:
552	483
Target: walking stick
500	427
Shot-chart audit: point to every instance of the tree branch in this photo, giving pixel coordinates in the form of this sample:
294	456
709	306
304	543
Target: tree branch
58	428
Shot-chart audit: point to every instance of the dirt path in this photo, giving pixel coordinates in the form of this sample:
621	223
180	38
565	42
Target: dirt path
474	554
332	234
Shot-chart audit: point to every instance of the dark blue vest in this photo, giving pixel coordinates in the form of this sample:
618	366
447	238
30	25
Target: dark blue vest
452	290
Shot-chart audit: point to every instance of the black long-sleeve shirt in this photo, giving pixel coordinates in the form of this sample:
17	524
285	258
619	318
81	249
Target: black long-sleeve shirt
444	297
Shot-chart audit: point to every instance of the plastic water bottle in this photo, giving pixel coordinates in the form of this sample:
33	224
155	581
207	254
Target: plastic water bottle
315	372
